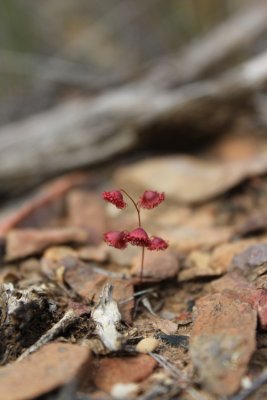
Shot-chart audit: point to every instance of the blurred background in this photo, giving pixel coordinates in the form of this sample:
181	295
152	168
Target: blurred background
49	49
83	81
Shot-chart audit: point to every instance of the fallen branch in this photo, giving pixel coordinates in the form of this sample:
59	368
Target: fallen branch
86	132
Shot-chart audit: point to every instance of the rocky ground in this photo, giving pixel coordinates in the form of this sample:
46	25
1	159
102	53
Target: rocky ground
193	328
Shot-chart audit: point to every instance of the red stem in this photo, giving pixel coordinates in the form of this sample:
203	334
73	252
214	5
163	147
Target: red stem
139	222
142	263
135	205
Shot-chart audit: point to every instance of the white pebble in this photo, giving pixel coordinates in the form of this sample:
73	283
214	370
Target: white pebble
124	390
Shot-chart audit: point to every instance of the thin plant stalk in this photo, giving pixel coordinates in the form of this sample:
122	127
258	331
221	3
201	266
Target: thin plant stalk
139	222
142	263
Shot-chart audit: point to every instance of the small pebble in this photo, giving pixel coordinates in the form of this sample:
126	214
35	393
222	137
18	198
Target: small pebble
147	345
124	390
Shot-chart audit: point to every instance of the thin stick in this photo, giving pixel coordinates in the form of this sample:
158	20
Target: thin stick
68	319
139	222
142	263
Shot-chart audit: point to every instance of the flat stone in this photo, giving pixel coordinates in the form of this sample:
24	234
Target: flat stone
97	253
251	262
222	341
52	366
88	283
188	179
222	255
111	371
55	253
25	242
197	265
237	286
187	238
158	265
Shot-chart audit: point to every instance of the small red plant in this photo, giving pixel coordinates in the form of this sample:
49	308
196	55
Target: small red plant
138	237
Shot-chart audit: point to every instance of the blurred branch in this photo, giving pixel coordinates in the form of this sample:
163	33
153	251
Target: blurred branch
54	69
201	55
89	131
189	64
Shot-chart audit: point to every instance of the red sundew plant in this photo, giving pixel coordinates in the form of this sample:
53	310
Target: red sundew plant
138	237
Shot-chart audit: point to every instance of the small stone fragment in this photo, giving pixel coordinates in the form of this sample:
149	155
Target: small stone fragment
110	371
197	265
260	304
147	345
97	253
88	283
222	255
52	366
25	242
57	252
157	266
222	341
165	325
187	238
251	262
124	390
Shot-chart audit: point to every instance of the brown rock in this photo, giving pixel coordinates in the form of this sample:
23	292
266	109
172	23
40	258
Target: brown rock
188	179
24	242
222	255
157	265
251	262
230	281
111	371
82	278
86	210
237	286
57	252
187	238
88	283
222	341
261	307
94	253
197	264
52	366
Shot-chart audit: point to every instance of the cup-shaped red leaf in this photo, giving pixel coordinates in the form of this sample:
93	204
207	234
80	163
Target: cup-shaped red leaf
116	239
151	199
114	197
156	243
138	237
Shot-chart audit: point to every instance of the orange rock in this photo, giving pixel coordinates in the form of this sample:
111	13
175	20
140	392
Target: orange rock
158	265
222	341
52	366
222	255
110	371
24	242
